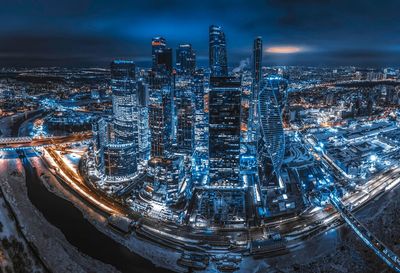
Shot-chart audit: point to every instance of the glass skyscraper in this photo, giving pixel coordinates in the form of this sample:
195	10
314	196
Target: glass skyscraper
217	51
143	147
161	55
257	59
185	59
224	131
185	114
120	151
160	120
272	140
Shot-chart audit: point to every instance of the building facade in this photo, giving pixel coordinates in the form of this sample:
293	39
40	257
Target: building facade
185	59
224	131
271	145
217	51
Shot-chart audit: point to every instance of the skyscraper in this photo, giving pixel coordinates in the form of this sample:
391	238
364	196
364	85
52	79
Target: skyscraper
257	75
185	59
217	51
224	131
124	100
161	55
160	120
120	152
143	121
185	112
272	140
158	44
257	59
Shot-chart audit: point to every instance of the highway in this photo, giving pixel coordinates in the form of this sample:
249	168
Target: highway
294	229
27	142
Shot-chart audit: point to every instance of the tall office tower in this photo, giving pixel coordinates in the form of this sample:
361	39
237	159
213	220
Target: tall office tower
185	59
257	59
224	131
158	44
271	146
143	122
185	113
247	107
217	52
200	116
160	121
257	75
99	130
125	116
123	86
161	56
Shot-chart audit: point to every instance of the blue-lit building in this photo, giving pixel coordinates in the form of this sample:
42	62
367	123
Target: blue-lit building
160	121
143	147
185	115
124	100
116	142
217	51
224	131
198	91
167	175
158	44
100	131
161	56
185	59
257	59
257	75
113	160
271	144
119	159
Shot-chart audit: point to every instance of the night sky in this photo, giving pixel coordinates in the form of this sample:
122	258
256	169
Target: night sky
295	32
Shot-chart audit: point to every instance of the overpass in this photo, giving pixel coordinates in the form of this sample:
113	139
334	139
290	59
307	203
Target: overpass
380	249
13	143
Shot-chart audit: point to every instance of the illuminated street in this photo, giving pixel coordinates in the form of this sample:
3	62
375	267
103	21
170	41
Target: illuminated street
208	137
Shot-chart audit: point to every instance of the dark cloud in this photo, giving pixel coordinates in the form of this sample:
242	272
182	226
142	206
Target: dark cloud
89	32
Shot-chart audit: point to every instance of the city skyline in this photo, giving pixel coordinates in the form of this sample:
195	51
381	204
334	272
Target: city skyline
316	33
149	141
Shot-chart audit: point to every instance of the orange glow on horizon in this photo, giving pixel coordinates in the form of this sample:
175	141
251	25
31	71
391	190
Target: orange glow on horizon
284	49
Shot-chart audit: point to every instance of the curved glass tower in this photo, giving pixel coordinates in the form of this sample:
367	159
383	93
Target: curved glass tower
122	153
271	145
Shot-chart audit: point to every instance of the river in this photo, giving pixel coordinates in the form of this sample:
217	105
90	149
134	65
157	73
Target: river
79	231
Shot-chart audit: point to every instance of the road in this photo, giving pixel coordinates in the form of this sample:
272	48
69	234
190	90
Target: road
295	229
24	142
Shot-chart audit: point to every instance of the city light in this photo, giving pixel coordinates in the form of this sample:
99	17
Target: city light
168	162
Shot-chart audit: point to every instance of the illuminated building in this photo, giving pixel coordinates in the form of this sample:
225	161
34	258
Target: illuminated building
160	120
217	51
185	114
257	59
158	44
99	129
119	160
123	86
185	59
200	116
143	147
224	131
167	178
257	74
120	143
113	160
272	140
161	56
